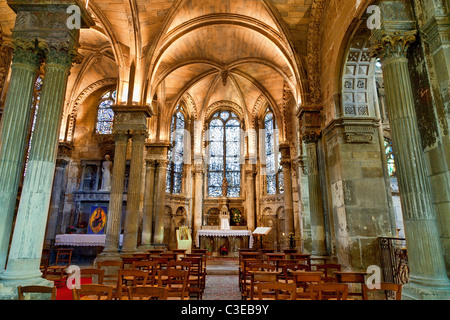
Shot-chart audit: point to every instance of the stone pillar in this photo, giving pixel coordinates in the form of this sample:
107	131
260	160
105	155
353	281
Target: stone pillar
147	219
26	246
134	192
113	223
15	122
287	176
198	198
160	200
315	196
250	174
58	192
428	278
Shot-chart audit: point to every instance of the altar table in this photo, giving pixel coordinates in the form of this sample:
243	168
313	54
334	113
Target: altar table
224	233
82	240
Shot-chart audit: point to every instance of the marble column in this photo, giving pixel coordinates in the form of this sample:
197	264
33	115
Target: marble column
130	235
198	198
26	245
147	219
318	242
160	200
428	277
16	118
288	200
113	223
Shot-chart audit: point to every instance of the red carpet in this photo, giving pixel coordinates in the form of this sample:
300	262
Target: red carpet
65	293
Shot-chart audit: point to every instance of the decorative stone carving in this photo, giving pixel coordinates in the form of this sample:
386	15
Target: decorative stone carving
390	45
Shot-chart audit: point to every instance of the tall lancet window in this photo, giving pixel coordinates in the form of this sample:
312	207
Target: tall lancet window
224	167
105	115
174	179
274	173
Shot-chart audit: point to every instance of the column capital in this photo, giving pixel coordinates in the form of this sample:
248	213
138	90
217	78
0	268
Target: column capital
61	52
387	45
121	135
311	137
26	51
139	134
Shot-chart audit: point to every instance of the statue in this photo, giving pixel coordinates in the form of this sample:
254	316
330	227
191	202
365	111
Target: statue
224	187
106	174
224	218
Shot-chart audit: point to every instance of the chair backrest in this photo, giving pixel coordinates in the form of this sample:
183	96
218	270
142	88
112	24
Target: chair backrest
394	287
261	266
36	289
130	278
325	291
98	290
176	281
147	293
328	270
180	265
277	291
45	258
111	268
141	256
63	257
93	273
148	266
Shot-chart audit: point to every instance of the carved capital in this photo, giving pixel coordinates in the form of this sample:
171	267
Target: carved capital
311	137
26	52
61	52
387	45
121	136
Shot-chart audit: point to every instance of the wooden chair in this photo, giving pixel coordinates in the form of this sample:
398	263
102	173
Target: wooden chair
160	261
287	268
129	278
276	291
176	281
329	271
111	268
147	293
94	274
36	289
302	280
148	266
258	277
355	278
141	256
93	292
393	287
248	283
128	261
57	272
327	291
197	276
45	260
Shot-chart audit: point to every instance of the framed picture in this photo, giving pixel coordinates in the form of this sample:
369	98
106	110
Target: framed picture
97	220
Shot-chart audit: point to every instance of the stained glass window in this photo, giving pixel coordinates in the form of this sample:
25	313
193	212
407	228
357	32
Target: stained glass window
105	116
174	176
274	174
390	157
224	167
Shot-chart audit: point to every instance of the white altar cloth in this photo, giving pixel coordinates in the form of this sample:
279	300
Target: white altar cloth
225	233
82	240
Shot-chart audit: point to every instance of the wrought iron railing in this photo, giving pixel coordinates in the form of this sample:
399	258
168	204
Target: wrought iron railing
394	260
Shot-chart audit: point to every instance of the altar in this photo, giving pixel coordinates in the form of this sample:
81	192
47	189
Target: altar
82	240
233	240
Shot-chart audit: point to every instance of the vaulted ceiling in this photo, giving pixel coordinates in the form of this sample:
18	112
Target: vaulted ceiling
212	50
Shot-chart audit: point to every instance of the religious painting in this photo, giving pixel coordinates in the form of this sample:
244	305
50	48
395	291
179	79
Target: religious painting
97	220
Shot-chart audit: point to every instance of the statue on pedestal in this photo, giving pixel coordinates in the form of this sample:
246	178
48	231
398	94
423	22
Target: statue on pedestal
106	174
224	187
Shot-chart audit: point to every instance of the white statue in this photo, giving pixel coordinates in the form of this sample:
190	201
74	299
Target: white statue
106	174
224	218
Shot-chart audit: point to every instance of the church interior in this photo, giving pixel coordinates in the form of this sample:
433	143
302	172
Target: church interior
226	130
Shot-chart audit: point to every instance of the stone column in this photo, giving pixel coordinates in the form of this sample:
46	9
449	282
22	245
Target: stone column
58	192
428	278
113	223
315	196
287	176
250	174
134	192
160	200
198	199
26	246
147	220
15	122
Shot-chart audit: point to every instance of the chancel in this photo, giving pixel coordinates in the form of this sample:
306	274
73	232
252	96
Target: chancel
247	149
